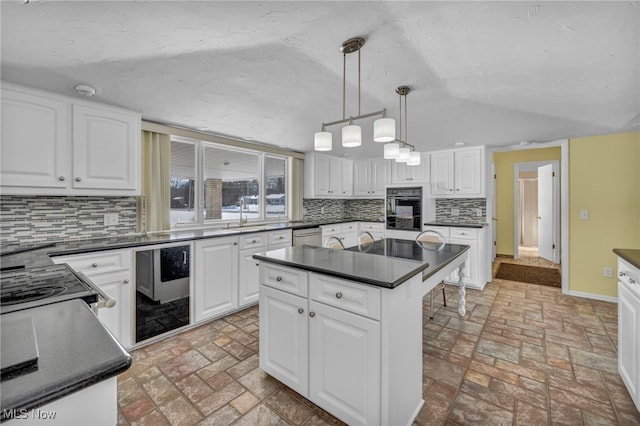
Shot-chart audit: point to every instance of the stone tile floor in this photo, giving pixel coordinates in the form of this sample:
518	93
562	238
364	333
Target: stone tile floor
523	355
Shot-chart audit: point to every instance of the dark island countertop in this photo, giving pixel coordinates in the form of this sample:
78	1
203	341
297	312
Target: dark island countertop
630	255
67	362
378	266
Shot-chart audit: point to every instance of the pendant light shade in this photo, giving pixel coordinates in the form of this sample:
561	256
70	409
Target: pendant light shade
351	136
322	141
391	151
403	156
414	159
384	130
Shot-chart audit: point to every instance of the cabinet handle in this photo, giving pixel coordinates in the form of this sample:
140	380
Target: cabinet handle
126	281
235	244
300	310
253	241
278	278
312	314
78	179
338	295
95	265
257	264
61	178
281	237
457	189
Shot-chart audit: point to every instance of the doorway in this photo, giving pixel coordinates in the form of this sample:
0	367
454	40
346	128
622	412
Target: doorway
537	210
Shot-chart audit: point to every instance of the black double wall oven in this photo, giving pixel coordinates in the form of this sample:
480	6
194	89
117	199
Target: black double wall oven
404	208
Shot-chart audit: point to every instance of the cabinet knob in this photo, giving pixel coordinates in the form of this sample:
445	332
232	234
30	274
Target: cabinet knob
95	265
126	281
235	244
253	241
257	264
373	192
457	189
312	314
281	237
300	310
278	278
61	178
450	190
78	179
338	295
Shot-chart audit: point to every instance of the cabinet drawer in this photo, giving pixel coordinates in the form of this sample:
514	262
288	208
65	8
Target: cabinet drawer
291	280
256	240
351	227
464	233
331	229
356	298
372	226
444	230
280	237
97	263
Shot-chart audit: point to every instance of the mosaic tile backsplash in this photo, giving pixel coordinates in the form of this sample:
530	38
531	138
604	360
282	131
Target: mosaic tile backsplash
467	209
317	210
25	219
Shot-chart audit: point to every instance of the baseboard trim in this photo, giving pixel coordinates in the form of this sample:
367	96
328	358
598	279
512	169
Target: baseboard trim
592	296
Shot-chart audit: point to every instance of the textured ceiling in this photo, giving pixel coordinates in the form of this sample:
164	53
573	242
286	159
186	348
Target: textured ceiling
492	73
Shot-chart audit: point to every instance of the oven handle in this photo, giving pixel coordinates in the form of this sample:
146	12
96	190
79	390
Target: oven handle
107	301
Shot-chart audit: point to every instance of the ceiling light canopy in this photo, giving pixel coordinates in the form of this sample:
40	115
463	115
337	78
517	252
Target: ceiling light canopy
398	149
383	128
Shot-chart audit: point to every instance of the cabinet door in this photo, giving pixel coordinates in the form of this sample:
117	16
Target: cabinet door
335	176
629	341
322	168
248	277
468	172
347	178
216	277
117	319
470	266
442	173
380	177
344	364
362	178
400	173
35	142
106	147
420	173
284	338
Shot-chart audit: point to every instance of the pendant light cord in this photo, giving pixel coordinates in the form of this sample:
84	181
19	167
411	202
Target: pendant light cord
358	81
344	83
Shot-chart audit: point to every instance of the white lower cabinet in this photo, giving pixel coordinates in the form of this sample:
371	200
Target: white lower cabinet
111	272
216	277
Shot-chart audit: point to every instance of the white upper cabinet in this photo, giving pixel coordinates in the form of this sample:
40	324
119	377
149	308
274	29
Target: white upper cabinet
327	177
55	145
458	173
401	173
370	178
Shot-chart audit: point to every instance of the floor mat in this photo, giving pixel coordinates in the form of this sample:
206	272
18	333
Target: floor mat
529	274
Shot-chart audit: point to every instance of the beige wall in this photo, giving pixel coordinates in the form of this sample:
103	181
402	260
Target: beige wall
604	178
504	164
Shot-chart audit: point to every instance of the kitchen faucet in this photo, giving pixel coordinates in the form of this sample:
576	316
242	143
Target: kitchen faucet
243	203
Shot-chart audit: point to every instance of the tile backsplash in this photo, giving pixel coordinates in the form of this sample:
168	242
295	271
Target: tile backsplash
467	209
28	219
317	210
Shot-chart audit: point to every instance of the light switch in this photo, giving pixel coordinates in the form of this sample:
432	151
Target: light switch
455	212
584	214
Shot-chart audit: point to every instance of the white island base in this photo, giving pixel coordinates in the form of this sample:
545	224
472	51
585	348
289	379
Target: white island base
351	348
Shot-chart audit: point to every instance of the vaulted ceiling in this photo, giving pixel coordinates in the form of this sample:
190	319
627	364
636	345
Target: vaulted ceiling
494	73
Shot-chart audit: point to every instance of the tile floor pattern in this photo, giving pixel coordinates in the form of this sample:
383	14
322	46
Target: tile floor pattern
523	355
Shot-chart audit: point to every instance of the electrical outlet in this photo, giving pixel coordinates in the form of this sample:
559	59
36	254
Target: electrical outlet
478	212
322	210
607	272
455	212
110	219
584	214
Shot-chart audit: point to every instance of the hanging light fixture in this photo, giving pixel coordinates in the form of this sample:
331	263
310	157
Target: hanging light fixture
383	128
401	150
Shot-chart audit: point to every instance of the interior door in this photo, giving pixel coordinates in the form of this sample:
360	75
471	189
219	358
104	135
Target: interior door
546	231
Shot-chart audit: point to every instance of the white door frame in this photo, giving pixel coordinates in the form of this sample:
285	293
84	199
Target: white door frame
531	166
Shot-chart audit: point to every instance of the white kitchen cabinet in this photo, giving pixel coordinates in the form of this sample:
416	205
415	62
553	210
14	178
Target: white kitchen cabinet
370	178
111	272
458	173
401	173
376	229
327	177
216	277
346	232
57	145
629	328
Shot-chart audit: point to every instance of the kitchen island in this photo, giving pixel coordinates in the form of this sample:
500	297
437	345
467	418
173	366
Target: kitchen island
344	327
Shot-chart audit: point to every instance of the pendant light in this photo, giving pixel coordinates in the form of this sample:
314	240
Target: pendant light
383	128
401	150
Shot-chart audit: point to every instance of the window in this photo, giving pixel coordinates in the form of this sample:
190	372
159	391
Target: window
227	182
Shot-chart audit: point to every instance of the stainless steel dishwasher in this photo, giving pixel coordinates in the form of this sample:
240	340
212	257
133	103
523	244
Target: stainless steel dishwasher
308	236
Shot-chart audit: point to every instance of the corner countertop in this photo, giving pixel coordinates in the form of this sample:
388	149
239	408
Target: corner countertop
457	224
630	255
82	356
378	266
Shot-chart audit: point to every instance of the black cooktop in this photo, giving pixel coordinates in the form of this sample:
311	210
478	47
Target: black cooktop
31	287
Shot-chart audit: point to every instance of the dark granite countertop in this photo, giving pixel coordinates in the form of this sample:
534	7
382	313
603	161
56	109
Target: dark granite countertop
457	224
378	266
41	256
75	351
630	255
